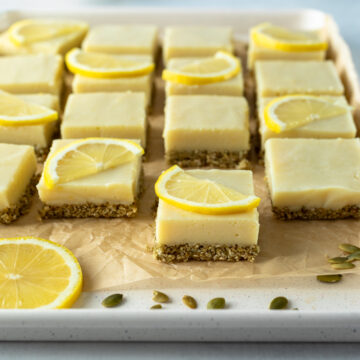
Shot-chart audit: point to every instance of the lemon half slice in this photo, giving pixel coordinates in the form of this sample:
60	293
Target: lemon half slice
86	157
98	65
25	32
292	111
222	66
279	38
17	112
37	273
187	192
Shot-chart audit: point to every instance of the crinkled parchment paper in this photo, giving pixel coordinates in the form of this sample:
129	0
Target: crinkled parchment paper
114	253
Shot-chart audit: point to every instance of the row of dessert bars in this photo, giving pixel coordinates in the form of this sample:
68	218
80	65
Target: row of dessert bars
202	214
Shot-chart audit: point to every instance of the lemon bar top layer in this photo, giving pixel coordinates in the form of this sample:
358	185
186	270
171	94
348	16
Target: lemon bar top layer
122	39
256	52
175	226
192	41
36	135
17	166
82	84
29	74
205	122
119	185
231	87
313	173
58	45
341	126
275	78
119	115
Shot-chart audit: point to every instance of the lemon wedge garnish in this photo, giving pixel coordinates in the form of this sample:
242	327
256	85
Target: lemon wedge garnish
189	193
17	112
222	66
292	111
86	157
279	38
98	65
25	32
37	273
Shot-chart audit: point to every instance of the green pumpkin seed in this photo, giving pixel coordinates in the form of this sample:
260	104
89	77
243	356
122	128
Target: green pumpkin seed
349	248
353	257
279	303
112	300
344	266
216	303
189	301
160	297
329	278
337	260
156	307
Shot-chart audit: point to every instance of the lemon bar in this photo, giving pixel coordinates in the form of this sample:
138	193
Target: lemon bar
195	41
17	181
183	235
122	39
82	84
39	136
276	78
110	193
341	126
57	45
314	179
205	130
31	74
231	87
117	115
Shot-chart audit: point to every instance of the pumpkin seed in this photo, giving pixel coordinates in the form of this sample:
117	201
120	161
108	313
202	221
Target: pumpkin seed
216	303
353	257
112	300
329	278
156	307
279	303
349	248
160	297
337	260
189	301
343	266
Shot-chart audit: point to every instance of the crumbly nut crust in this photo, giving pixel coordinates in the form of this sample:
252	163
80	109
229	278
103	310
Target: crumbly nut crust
186	252
349	211
22	207
88	210
201	158
41	153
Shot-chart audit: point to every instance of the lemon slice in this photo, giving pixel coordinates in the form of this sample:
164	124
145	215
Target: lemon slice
17	112
37	273
29	31
279	38
187	192
292	111
222	66
86	157
99	65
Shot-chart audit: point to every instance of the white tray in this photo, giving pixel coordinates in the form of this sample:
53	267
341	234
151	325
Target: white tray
326	312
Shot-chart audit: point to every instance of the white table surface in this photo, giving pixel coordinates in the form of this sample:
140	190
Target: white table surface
346	13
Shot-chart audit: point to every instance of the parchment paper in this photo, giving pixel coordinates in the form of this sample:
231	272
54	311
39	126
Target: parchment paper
114	253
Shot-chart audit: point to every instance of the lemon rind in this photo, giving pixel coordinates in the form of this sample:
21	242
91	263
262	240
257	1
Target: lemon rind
182	78
76	286
104	74
50	182
269	42
252	203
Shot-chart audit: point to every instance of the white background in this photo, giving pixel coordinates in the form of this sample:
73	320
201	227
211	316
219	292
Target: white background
347	15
